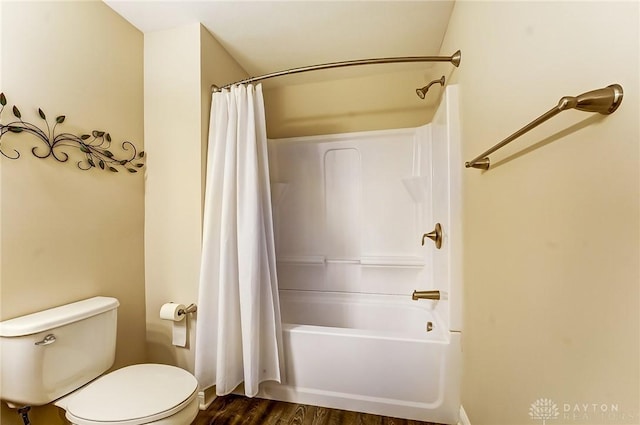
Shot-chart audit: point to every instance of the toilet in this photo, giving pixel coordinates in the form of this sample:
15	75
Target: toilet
60	356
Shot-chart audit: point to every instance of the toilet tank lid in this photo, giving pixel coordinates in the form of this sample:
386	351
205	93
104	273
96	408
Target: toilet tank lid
56	317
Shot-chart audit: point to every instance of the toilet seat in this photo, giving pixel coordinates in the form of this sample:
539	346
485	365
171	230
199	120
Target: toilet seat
133	395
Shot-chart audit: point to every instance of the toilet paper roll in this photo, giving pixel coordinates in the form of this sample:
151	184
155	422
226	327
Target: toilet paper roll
170	311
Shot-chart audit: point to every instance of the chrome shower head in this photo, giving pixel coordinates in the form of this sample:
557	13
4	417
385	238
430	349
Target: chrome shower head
423	91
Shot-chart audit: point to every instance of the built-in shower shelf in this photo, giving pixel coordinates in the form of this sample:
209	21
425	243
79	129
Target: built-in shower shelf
302	259
342	261
418	188
392	261
363	261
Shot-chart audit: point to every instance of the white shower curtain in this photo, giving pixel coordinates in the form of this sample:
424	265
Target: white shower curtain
238	331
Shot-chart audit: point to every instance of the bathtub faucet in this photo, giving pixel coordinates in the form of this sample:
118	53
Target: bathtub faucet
425	295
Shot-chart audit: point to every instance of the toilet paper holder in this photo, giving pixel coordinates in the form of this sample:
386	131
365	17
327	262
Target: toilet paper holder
191	308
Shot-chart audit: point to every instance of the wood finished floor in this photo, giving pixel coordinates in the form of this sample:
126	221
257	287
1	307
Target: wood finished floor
238	410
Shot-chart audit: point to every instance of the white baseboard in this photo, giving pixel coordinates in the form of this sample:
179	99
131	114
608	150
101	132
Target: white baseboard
464	419
206	397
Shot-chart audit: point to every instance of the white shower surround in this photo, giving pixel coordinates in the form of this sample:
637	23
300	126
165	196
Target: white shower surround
347	263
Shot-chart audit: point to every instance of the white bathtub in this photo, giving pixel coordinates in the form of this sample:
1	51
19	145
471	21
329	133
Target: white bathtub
368	353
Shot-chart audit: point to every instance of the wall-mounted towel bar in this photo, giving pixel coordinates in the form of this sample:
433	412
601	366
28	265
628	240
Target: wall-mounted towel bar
604	101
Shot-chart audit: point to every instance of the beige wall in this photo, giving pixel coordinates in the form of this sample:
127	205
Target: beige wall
180	66
172	193
69	234
336	101
1	162
551	231
219	68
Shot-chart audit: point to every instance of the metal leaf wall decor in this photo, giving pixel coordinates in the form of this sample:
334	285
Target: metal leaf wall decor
95	146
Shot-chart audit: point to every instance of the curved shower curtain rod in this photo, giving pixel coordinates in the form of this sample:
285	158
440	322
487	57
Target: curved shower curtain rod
454	59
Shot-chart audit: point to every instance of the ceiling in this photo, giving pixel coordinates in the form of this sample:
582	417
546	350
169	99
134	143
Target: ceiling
268	36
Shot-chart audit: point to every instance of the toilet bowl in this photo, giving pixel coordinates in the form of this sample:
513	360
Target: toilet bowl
142	394
60	356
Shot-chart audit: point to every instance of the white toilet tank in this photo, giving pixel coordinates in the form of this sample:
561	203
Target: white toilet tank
48	354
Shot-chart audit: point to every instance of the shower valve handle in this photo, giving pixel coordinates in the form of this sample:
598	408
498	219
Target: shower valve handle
435	236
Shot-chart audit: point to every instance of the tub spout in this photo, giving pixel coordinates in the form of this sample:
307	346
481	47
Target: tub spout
425	295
